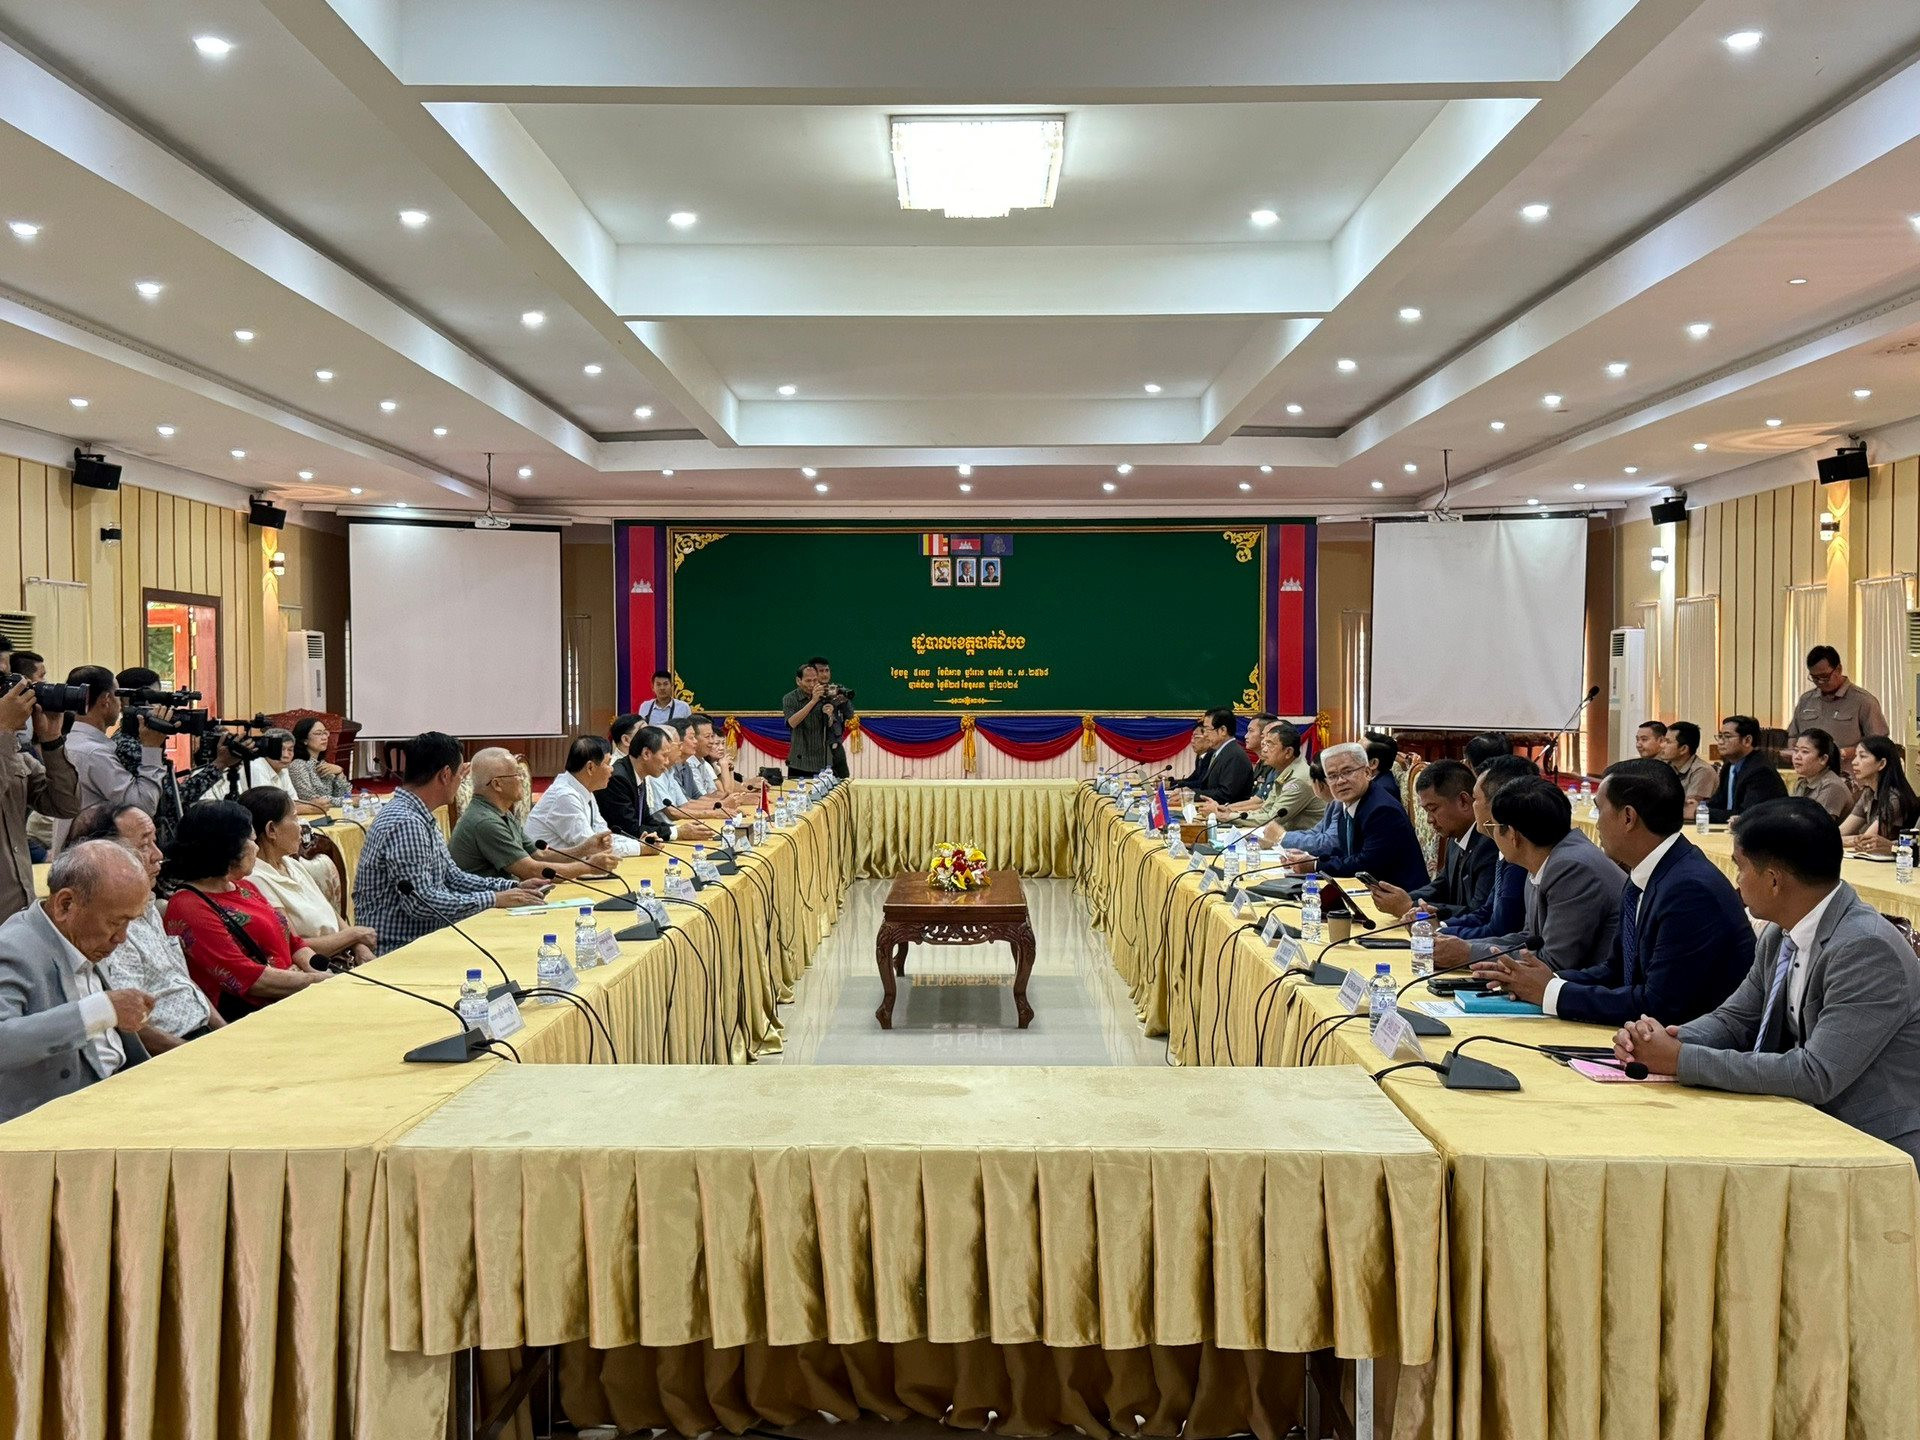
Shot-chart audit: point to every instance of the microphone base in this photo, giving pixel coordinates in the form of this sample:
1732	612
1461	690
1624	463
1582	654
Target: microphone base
317	822
1424	1024
454	1050
1463	1072
615	903
646	929
1325	974
729	866
508	987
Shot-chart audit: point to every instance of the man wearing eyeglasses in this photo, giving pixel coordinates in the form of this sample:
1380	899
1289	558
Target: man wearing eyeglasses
1747	775
1373	831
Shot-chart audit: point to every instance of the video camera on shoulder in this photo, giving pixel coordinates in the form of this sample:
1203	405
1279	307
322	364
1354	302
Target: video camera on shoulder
52	697
248	740
142	701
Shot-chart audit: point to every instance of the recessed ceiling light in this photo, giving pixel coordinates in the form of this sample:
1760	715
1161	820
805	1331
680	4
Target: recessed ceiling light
1496	424
1294	410
590	369
165	432
682	219
212	46
389	406
1914	220
1264	218
1244	485
1743	42
1409	313
1533	502
1411	468
1535	212
808	471
149	289
789	390
1379	484
79	402
820	487
976	167
526	472
1700	329
1266	469
1579	484
1631	470
1108	486
238	454
667	473
440	431
1553	402
1699	445
966	489
1774	422
1123	469
355	490
306	474
1862	394
245	337
1617	368
1346	367
964	469
414	219
643	412
323	376
399	504
1798	280
533	319
1151	388
23	229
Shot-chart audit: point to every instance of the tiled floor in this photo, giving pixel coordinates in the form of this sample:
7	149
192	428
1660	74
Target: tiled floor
956	1002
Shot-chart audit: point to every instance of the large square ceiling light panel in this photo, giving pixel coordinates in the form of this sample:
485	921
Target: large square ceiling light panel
977	167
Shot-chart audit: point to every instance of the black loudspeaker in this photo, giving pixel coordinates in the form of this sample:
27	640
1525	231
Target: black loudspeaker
94	472
1671	512
265	514
1849	462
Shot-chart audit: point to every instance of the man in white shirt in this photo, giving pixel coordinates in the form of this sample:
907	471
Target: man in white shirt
567	817
61	1028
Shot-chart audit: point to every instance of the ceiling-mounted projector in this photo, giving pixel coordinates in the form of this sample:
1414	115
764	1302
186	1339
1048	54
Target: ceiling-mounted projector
491	521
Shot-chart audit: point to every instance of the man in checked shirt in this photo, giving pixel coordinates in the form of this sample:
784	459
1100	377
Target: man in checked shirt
407	885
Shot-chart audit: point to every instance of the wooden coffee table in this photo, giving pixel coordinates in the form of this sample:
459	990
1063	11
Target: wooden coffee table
917	914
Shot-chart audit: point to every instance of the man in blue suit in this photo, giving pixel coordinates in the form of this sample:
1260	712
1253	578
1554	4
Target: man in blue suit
1684	942
1505	909
1373	831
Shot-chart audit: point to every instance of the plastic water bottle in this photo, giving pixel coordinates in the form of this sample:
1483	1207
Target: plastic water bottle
1311	930
699	859
1253	852
1903	860
650	904
1382	1000
1213	831
676	877
586	940
552	969
1701	820
472	1003
1422	943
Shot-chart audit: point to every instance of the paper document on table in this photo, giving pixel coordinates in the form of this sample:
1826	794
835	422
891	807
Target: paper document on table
1439	1009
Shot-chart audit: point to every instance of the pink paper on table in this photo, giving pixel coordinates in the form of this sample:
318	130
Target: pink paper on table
1614	1075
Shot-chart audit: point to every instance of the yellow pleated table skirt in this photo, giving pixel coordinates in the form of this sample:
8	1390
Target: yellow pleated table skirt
1023	825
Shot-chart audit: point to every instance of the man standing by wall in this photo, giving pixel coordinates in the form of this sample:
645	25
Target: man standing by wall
810	723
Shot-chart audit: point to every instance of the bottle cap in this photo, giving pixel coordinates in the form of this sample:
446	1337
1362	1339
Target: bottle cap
586	910
473	974
553	939
1421	914
1383	968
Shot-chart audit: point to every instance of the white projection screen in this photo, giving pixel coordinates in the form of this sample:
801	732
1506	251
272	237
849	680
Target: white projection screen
1479	625
454	629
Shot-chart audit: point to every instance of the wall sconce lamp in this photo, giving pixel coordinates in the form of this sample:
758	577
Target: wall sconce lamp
1659	559
279	562
109	534
1829	527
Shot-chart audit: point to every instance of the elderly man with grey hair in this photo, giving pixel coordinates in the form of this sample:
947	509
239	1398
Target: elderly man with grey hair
1372	834
61	1028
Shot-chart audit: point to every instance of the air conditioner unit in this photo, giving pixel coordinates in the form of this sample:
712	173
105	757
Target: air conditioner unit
1626	689
306	670
1913	676
16	630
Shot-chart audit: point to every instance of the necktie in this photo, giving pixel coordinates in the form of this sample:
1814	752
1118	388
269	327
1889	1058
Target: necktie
1630	933
1780	969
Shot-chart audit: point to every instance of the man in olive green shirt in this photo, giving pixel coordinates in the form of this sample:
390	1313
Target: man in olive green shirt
489	839
1680	748
1835	704
810	723
1290	800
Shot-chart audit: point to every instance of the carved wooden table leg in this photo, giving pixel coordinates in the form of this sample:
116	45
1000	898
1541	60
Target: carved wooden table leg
889	952
1022	941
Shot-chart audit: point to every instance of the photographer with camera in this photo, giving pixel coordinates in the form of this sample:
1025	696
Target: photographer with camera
147	708
90	746
810	716
840	710
48	785
31	668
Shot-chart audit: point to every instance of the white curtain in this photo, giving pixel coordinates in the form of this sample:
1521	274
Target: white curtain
1882	662
62	623
1647	616
1696	662
1806	628
1356	662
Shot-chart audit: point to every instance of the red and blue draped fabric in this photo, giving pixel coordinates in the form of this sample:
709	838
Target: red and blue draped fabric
1145	738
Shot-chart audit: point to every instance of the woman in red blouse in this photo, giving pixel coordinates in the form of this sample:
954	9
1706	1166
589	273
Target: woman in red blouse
213	907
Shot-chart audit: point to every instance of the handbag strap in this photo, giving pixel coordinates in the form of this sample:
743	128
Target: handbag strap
236	927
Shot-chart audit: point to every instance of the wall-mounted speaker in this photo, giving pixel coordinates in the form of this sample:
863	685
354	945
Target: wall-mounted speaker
1849	462
265	514
93	472
1671	512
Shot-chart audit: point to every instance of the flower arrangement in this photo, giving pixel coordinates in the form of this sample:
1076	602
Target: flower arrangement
957	867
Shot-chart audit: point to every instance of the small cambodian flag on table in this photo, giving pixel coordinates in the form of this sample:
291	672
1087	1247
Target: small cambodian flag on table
933	545
1160	807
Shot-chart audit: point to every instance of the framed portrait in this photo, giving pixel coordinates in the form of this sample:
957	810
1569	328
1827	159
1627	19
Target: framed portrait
966	570
942	571
990	570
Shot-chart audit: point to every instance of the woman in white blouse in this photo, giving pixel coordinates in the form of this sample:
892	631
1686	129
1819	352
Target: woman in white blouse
283	877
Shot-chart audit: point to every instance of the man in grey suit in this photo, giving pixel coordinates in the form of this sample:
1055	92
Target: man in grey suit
61	1028
1573	889
1830	1011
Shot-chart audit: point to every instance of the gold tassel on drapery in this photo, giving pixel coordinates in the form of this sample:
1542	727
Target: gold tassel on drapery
853	735
966	744
733	733
1323	730
1088	740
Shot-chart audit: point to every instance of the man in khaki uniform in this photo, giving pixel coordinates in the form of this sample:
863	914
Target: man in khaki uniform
1680	748
1835	704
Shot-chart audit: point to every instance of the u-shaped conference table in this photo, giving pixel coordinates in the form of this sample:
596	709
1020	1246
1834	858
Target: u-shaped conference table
282	1230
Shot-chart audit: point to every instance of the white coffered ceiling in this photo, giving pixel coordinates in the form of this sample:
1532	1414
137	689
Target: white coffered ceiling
1397	141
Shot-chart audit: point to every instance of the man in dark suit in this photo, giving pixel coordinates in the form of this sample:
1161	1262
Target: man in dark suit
1747	775
1682	942
626	802
1830	1012
1373	831
1465	881
1223	771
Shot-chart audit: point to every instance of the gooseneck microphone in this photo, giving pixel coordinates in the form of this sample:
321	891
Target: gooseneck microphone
469	1044
509	985
1561	734
603	872
1421	1023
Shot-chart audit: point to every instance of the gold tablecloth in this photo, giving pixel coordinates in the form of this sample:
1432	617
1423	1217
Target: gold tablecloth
850	1208
1625	1260
1022	825
183	1248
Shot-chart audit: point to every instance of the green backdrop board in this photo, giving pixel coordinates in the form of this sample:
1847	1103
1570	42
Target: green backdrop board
1070	619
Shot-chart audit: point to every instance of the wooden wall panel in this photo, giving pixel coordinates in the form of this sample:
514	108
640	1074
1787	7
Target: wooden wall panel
10	539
